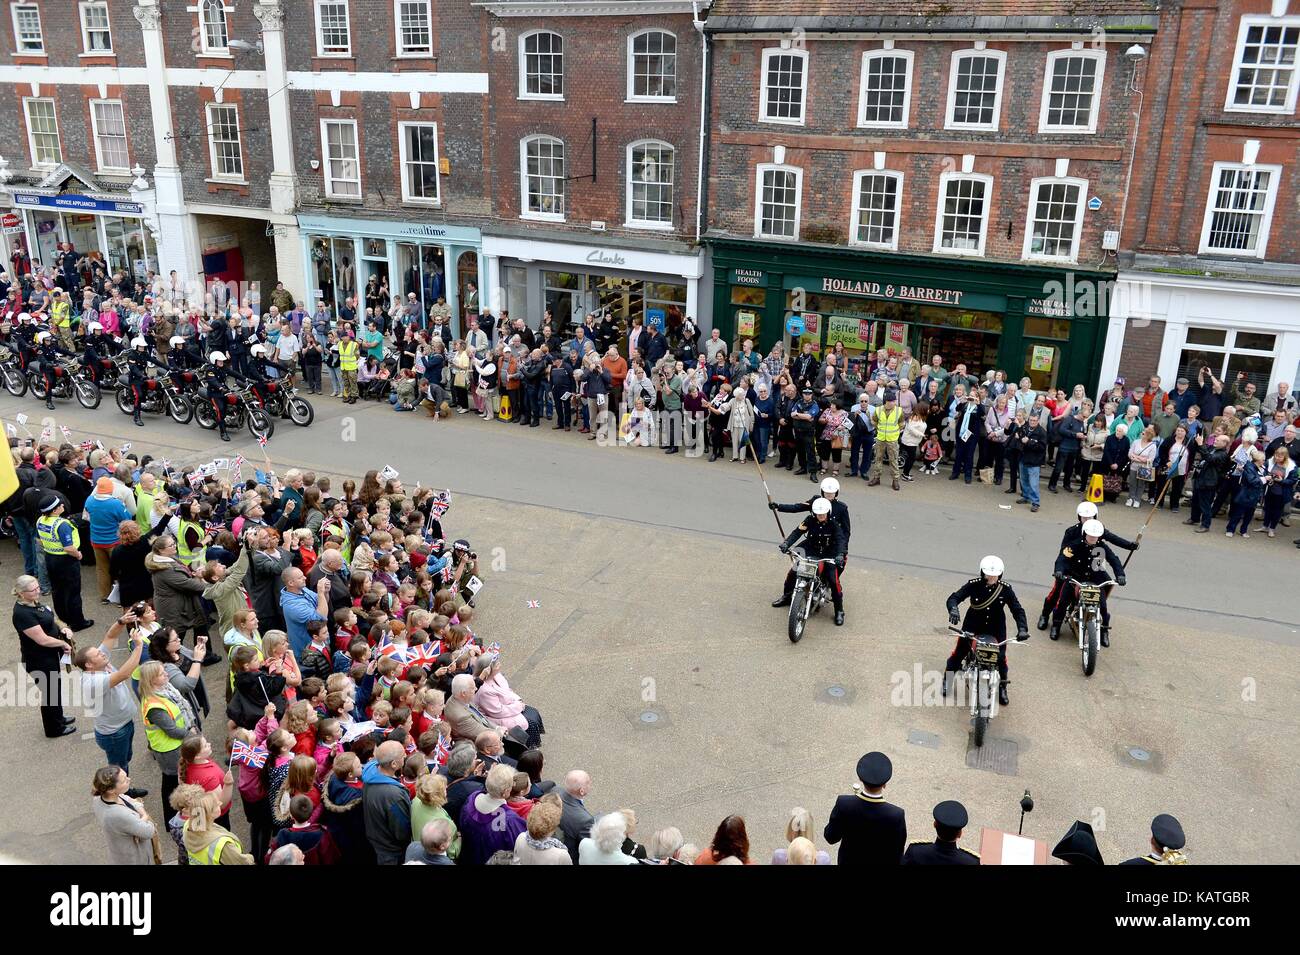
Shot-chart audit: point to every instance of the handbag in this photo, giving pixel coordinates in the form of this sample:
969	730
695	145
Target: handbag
1112	484
1146	473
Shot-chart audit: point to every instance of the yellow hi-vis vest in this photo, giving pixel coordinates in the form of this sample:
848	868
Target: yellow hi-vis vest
889	426
159	741
190	556
144	509
212	854
47	528
348	351
61	314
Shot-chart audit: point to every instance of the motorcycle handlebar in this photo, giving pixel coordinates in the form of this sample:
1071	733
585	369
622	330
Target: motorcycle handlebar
966	634
1078	583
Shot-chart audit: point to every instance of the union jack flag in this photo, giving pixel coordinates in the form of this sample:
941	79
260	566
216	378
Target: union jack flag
442	751
441	502
261	440
534	605
387	648
252	756
492	648
67	432
426	653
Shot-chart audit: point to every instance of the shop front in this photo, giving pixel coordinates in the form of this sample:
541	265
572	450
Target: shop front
354	258
67	207
527	277
1028	321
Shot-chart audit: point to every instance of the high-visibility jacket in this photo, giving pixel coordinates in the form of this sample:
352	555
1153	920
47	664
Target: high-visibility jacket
144	509
889	425
212	854
338	529
47	529
348	352
61	314
159	741
190	556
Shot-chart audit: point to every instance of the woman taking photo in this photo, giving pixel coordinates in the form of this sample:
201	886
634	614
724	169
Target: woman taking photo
1142	467
914	432
126	824
183	668
168	719
177	593
1175	459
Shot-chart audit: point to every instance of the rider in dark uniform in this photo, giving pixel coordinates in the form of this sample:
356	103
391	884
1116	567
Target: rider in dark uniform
179	357
839	510
950	819
24	341
258	367
48	352
138	361
1167	841
989	595
215	389
823	541
870	831
1086	511
98	348
1085	561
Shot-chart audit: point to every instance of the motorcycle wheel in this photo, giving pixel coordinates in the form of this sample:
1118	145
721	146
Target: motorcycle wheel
798	612
37	385
122	398
88	394
179	409
1090	642
260	423
205	415
301	412
15	382
981	727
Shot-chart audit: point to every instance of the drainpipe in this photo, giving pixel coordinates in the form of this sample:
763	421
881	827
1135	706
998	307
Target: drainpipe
700	192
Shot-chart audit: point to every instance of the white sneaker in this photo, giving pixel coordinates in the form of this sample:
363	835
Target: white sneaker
1229	534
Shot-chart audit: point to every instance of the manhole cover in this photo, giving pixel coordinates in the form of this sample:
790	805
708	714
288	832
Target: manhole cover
1139	757
651	719
922	738
649	716
838	694
1140	754
836	691
995	756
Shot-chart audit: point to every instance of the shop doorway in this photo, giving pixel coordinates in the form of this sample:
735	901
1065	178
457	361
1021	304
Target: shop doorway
1042	365
467	275
47	236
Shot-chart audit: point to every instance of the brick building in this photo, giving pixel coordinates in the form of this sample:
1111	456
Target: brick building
1210	268
922	177
594	138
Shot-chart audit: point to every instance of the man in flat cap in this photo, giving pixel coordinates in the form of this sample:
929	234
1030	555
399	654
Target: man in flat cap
950	819
1078	846
1167	841
870	831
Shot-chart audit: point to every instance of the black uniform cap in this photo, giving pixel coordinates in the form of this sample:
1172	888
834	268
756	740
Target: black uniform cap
952	814
1078	846
875	769
1167	831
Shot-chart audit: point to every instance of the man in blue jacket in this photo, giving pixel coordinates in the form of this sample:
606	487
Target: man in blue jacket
301	606
386	804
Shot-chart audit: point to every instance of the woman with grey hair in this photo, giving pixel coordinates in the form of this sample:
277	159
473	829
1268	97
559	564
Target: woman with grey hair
664	847
605	844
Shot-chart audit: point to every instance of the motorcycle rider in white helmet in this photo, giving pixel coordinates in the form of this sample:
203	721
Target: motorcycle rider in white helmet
97	348
48	351
990	596
830	491
1085	561
138	361
215	388
823	540
1086	511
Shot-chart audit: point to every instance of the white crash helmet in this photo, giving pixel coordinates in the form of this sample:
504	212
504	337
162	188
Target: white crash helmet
139	342
1093	528
258	350
992	566
176	340
1086	510
821	506
217	356
95	327
23	318
42	335
830	486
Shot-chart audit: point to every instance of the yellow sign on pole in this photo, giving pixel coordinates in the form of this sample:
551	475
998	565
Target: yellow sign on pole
745	323
1042	358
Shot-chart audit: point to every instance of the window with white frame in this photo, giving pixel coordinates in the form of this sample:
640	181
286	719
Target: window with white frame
1055	219
1264	75
214	35
963	216
43	132
333	28
1070	91
223	141
975	89
96	36
1227	352
885	93
418	146
542	180
652	65
1239	211
877	195
541	65
27	28
414	28
785	86
342	158
650	184
777	200
108	123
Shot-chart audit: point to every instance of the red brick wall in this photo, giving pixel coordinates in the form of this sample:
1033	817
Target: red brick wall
1141	355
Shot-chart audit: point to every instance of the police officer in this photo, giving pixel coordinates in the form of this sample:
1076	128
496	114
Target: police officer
62	546
215	390
822	541
1167	841
1084	561
804	414
870	830
1073	536
830	489
950	819
47	353
989	596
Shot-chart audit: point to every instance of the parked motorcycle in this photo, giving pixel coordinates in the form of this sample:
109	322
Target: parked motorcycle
15	380
160	396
